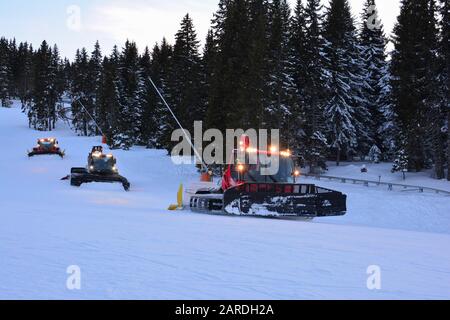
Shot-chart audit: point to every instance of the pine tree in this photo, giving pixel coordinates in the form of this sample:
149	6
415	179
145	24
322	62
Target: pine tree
108	104
283	101
435	115
389	128
186	79
376	86
160	70
208	64
444	55
81	94
57	88
25	73
42	106
255	96
312	85
131	89
346	108
413	62
95	78
5	74
14	63
401	162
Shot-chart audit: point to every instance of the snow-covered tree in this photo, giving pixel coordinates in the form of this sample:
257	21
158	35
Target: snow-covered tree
108	103
95	78
5	74
444	76
311	62
282	109
346	108
131	87
45	96
401	162
83	107
186	81
376	81
375	154
413	68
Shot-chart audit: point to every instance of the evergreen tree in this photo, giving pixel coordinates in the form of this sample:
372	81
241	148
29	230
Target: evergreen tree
255	95
158	120
42	106
5	74
346	107
186	80
283	101
239	86
435	115
413	83
81	94
312	61
57	88
401	162
95	79
444	55
376	87
208	64
131	87
108	104
15	65
25	73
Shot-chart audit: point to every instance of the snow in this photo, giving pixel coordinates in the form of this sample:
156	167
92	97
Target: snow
128	246
383	170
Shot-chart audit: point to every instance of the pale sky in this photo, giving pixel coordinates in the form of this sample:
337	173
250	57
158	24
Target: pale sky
72	24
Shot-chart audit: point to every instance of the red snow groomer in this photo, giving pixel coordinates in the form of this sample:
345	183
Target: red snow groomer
247	191
47	146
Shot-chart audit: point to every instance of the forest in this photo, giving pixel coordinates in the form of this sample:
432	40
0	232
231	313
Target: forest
330	82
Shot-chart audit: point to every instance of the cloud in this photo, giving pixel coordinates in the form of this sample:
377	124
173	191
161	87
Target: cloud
146	22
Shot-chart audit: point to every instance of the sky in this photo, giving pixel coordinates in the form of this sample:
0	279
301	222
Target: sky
73	24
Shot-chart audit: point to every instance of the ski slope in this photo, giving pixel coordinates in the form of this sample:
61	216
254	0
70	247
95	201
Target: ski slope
128	246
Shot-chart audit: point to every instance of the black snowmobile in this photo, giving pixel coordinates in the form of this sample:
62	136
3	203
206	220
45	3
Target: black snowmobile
101	168
46	146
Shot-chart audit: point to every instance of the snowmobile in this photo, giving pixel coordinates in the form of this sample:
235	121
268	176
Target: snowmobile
245	191
46	146
101	168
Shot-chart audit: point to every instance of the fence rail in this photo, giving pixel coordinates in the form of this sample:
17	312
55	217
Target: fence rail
390	186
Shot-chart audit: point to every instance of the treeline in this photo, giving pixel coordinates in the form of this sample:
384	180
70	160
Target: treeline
327	83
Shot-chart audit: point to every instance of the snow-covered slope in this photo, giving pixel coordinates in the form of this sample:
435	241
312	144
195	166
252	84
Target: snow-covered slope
382	171
129	246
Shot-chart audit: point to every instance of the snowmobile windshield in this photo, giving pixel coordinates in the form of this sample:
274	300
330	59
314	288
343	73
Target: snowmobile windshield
103	164
46	144
253	173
